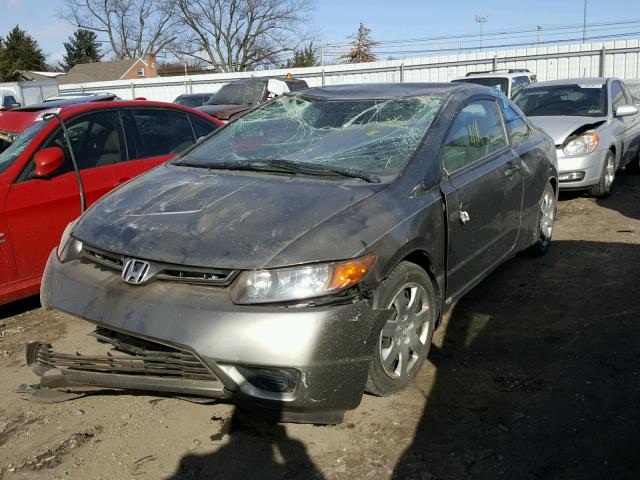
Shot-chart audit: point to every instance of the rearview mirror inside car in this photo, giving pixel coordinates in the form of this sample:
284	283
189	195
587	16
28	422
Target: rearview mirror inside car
626	110
48	160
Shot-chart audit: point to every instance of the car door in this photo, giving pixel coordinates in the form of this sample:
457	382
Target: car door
633	144
39	209
156	135
482	186
618	99
8	272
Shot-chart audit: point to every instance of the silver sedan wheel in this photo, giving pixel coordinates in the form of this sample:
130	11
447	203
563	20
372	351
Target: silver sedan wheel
609	172
403	338
548	212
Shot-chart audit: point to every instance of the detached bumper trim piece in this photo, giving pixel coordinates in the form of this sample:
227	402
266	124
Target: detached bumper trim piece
160	371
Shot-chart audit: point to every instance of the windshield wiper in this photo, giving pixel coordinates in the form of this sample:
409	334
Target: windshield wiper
285	166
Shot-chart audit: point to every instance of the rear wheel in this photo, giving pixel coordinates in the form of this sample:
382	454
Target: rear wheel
405	338
603	188
546	220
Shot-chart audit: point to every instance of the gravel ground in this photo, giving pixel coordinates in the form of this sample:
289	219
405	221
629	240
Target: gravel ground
534	374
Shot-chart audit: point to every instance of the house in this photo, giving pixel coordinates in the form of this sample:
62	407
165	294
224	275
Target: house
130	69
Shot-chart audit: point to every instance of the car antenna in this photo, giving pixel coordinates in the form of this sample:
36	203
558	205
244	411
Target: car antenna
76	169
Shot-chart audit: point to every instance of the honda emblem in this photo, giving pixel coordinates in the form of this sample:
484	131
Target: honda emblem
136	272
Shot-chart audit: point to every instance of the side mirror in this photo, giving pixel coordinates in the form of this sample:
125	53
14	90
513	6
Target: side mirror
48	160
15	105
626	110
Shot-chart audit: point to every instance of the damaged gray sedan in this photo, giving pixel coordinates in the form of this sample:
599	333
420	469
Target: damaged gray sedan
305	253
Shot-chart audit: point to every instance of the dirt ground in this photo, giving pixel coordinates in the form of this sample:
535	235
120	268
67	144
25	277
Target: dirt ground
534	374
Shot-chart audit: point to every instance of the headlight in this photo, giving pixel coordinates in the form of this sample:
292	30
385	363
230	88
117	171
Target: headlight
69	247
585	143
298	283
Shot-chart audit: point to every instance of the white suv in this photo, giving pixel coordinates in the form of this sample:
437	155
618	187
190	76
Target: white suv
507	82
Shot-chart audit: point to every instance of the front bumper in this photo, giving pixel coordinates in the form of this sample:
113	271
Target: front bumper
591	165
329	347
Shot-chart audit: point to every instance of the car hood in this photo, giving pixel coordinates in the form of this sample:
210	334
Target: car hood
223	112
218	219
560	127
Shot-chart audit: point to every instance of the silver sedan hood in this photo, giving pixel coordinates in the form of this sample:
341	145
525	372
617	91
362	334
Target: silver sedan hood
560	127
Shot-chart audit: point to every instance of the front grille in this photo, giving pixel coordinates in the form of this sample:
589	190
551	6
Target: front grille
133	356
165	271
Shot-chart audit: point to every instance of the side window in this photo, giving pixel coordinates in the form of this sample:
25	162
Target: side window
162	132
201	126
517	128
97	141
476	132
8	101
518	83
617	95
630	98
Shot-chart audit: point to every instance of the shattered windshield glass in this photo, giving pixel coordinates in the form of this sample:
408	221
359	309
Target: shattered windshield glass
373	136
238	94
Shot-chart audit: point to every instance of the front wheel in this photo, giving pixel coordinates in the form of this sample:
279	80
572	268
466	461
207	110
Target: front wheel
603	188
405	338
546	221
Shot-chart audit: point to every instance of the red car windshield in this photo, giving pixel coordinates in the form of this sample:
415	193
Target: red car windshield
12	146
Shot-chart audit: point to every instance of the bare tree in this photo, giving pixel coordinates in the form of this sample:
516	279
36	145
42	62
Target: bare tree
133	27
240	35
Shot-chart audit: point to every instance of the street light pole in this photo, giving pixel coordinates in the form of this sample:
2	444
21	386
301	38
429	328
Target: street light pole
482	19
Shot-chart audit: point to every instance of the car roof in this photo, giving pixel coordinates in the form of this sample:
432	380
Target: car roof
572	81
388	90
192	95
503	74
18	119
65	102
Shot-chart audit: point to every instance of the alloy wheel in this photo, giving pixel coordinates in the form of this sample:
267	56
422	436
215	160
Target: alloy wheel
403	338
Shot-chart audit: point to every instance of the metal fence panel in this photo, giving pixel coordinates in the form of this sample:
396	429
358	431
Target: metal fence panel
619	58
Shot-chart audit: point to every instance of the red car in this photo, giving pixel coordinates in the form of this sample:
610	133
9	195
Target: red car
113	141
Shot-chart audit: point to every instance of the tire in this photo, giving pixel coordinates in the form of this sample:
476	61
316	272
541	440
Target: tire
405	339
546	220
603	188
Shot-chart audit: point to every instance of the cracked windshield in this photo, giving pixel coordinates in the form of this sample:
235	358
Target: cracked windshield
376	137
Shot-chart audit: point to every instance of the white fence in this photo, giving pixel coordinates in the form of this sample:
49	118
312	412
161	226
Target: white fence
620	59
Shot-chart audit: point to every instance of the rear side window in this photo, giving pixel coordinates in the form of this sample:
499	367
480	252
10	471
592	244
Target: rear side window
475	133
518	83
162	132
517	128
201	126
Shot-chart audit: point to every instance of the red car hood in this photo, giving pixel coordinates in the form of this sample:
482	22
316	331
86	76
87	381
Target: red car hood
16	121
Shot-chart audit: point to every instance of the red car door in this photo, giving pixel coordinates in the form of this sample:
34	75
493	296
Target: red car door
8	272
37	210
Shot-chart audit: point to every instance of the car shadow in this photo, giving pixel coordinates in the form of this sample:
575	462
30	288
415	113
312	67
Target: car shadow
255	445
538	374
19	306
625	198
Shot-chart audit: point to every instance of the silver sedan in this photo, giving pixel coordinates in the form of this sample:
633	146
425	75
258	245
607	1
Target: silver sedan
595	125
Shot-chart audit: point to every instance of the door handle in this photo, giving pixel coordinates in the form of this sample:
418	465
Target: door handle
511	169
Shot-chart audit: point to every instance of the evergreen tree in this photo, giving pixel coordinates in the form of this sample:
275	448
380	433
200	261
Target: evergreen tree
19	51
307	57
83	47
361	46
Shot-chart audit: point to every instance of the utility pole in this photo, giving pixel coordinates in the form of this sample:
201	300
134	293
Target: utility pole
584	23
538	35
481	19
322	54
